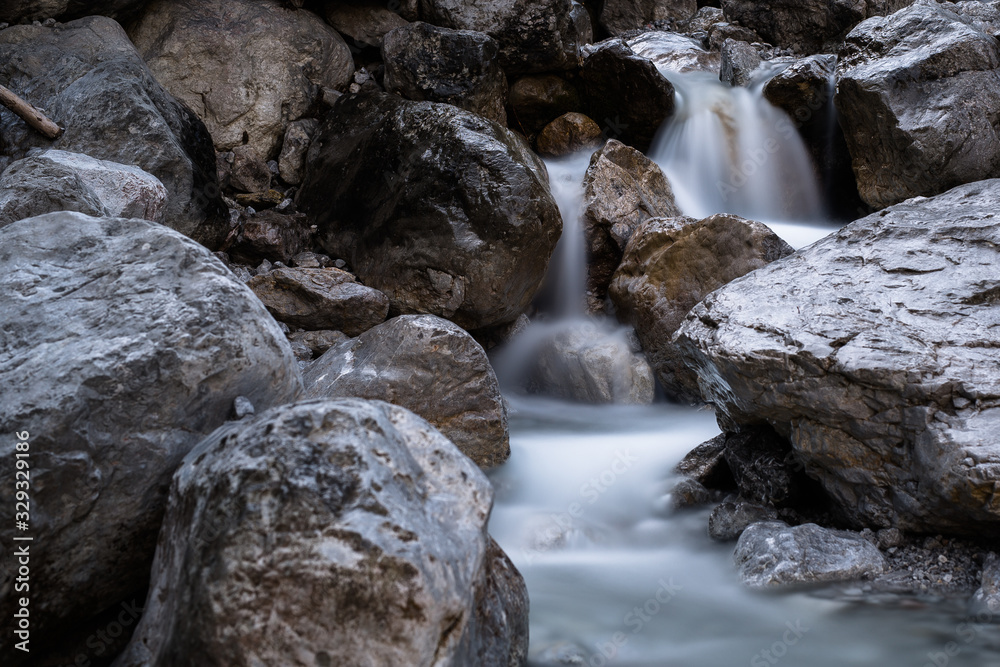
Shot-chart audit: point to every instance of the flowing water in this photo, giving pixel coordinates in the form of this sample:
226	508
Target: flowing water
614	576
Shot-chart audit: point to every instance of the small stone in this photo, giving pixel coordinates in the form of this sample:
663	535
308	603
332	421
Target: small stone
729	519
942	559
689	493
340	264
260	200
264	267
242	407
890	538
311	260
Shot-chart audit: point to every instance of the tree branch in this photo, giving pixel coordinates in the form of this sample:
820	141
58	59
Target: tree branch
32	116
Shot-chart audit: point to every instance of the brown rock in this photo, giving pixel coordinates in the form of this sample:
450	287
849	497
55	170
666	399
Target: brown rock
535	101
567	134
320	299
249	172
317	342
271	235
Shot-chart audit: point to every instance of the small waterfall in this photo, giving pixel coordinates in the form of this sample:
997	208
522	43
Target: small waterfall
728	150
570	258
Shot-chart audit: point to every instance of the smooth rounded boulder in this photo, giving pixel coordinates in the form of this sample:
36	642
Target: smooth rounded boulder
91	81
330	531
124	343
247	68
443	211
873	352
430	366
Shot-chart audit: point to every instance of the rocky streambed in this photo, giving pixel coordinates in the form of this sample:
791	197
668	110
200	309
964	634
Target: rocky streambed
704	299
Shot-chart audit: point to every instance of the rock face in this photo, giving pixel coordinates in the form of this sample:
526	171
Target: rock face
246	67
534	36
622	189
362	501
90	80
428	365
764	468
319	299
669	265
626	94
673	52
583	363
60	181
536	101
362	23
568	134
771	555
270	235
383	169
460	67
871	351
124	344
620	16
917	94
730	519
739	60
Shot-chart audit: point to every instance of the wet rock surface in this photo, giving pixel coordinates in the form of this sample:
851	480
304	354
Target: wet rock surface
383	167
729	519
427	365
568	134
536	101
124	344
872	361
361	500
90	80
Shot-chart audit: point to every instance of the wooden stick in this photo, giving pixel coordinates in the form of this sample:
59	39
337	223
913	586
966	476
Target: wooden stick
30	114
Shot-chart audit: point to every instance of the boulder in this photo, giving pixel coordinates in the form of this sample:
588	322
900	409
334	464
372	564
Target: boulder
317	342
460	67
729	519
917	93
626	94
124	344
294	148
669	265
618	16
872	352
330	530
249	172
18	11
56	180
246	67
674	53
445	212
718	33
430	366
534	35
582	362
537	100
707	465
320	299
90	80
363	23
568	134
771	555
739	61
270	235
985	602
803	88
622	189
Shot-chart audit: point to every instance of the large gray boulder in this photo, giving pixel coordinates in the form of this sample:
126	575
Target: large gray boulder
771	555
445	212
56	180
461	67
621	189
873	351
669	265
917	95
124	343
90	80
340	532
430	366
246	67
534	35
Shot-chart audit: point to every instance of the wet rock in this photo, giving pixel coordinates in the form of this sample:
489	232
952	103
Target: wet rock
536	101
246	67
674	52
803	87
57	180
460	67
626	94
739	60
428	365
361	500
771	555
534	35
581	362
618	16
124	343
317	342
689	493
702	21
90	80
985	602
669	265
872	361
622	189
320	299
718	33
917	93
362	23
383	168
729	519
707	465
294	147
269	234
568	134
249	172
